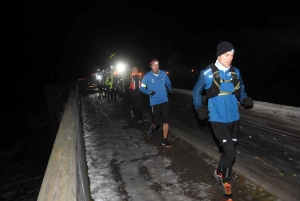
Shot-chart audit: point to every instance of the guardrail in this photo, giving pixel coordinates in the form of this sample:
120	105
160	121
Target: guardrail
66	176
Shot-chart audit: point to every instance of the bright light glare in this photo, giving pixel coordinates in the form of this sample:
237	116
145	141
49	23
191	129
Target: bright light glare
120	67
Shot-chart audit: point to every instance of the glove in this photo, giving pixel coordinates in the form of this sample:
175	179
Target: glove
248	102
202	112
152	93
169	91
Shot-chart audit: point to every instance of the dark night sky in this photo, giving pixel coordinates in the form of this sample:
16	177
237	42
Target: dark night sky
84	34
78	37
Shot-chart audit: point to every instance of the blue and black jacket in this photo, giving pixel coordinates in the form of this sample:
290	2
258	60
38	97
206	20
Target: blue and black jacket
158	83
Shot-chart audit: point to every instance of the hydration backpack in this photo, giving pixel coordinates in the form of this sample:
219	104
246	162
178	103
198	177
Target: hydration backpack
214	90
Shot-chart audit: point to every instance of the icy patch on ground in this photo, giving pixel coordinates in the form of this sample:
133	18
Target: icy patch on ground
122	166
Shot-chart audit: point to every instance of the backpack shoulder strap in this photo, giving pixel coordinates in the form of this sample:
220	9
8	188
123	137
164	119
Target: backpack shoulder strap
233	73
236	82
214	70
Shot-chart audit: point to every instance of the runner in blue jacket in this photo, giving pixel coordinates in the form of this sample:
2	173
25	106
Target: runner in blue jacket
157	85
224	87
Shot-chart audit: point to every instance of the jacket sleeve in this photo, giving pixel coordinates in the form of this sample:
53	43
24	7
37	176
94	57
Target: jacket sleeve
143	87
168	82
243	93
197	90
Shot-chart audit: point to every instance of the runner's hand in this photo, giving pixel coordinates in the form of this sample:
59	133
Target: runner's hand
152	93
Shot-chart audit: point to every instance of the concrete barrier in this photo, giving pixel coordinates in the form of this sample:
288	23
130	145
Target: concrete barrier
276	109
66	177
